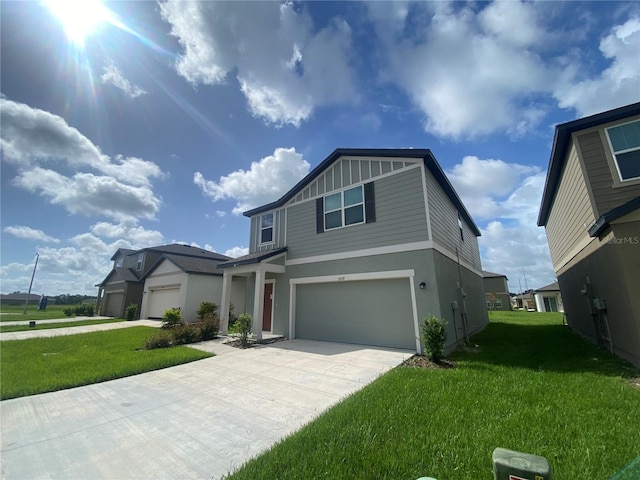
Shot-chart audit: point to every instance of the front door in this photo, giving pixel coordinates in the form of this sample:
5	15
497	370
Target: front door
268	306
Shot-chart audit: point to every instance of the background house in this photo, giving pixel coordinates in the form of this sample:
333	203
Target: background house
125	284
360	250
496	291
548	298
591	212
524	301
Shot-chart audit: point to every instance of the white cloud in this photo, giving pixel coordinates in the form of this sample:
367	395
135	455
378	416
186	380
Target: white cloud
617	85
266	180
29	233
236	252
284	66
507	195
113	76
31	138
136	235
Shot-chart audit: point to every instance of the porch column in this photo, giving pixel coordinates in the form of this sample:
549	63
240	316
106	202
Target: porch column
258	304
227	279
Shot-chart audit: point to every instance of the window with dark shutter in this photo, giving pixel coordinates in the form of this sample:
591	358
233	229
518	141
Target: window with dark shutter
347	207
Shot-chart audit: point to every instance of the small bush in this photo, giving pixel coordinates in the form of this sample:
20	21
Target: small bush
185	333
69	311
171	318
158	340
209	326
242	326
433	336
206	308
131	312
89	310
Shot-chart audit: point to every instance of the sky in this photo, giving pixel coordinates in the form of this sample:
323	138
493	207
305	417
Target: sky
132	124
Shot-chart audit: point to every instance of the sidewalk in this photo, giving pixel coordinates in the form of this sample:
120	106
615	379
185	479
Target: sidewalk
55	332
54	320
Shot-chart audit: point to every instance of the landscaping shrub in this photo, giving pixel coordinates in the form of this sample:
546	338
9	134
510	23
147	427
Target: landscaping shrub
89	310
206	308
171	318
242	326
185	333
158	340
209	326
131	312
433	337
69	311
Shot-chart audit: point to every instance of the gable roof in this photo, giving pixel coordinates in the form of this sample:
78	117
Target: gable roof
552	287
123	251
561	141
486	274
186	250
126	274
200	266
425	154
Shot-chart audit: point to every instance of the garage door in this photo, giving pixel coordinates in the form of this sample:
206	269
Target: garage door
163	299
371	312
113	304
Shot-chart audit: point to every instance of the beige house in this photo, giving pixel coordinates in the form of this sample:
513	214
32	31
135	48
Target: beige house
591	212
548	298
496	291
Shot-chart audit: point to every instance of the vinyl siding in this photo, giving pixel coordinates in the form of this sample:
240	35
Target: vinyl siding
592	148
279	221
444	225
400	218
571	213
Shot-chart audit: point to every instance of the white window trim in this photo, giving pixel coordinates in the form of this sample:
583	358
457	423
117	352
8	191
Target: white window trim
272	227
343	208
613	152
140	261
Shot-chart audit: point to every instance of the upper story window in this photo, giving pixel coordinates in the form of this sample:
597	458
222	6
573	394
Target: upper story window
460	227
344	208
266	228
625	145
140	260
119	261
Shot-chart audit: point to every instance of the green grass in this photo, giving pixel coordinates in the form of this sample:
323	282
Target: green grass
45	326
43	365
532	386
12	313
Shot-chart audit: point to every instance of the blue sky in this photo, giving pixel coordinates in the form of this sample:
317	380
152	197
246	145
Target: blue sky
162	122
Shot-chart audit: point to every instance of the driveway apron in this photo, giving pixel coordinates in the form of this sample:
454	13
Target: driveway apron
198	420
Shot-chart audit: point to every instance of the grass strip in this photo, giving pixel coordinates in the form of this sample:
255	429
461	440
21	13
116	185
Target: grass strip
13	313
39	365
531	385
46	326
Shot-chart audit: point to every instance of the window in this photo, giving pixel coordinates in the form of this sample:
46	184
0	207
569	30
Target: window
625	145
498	303
119	261
460	226
140	259
344	208
266	228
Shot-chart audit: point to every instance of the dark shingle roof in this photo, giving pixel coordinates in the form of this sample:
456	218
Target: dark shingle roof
552	287
126	274
207	266
561	141
429	161
255	257
187	250
486	274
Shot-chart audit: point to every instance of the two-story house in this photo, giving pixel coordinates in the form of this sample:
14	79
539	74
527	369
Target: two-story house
591	212
162	277
496	290
360	250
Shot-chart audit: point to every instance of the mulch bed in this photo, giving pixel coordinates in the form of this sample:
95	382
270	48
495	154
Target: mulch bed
252	343
420	361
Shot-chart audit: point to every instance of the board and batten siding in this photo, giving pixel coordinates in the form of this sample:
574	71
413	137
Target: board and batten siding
444	225
594	149
400	218
571	213
279	225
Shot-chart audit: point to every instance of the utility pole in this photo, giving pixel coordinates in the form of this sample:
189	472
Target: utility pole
26	302
525	280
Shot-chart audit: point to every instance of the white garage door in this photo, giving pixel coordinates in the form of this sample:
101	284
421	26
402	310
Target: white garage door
163	299
371	312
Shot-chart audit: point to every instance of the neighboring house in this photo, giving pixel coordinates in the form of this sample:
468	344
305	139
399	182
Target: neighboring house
591	212
496	291
548	298
19	298
525	301
360	251
125	284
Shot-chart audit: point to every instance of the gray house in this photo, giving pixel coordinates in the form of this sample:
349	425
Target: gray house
496	290
591	212
360	250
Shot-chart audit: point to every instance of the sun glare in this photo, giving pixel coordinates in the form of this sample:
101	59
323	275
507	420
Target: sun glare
79	18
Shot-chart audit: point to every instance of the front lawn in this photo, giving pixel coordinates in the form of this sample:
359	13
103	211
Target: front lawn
14	313
45	326
532	385
41	365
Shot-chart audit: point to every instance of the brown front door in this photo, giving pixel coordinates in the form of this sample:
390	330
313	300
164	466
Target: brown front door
268	303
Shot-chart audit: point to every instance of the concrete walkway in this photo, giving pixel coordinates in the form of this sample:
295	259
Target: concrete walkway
17	321
199	420
56	332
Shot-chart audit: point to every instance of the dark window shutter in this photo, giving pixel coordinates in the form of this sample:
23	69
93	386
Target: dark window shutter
369	202
320	215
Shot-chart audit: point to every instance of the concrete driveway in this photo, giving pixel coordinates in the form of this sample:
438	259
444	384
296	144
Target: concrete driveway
199	420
